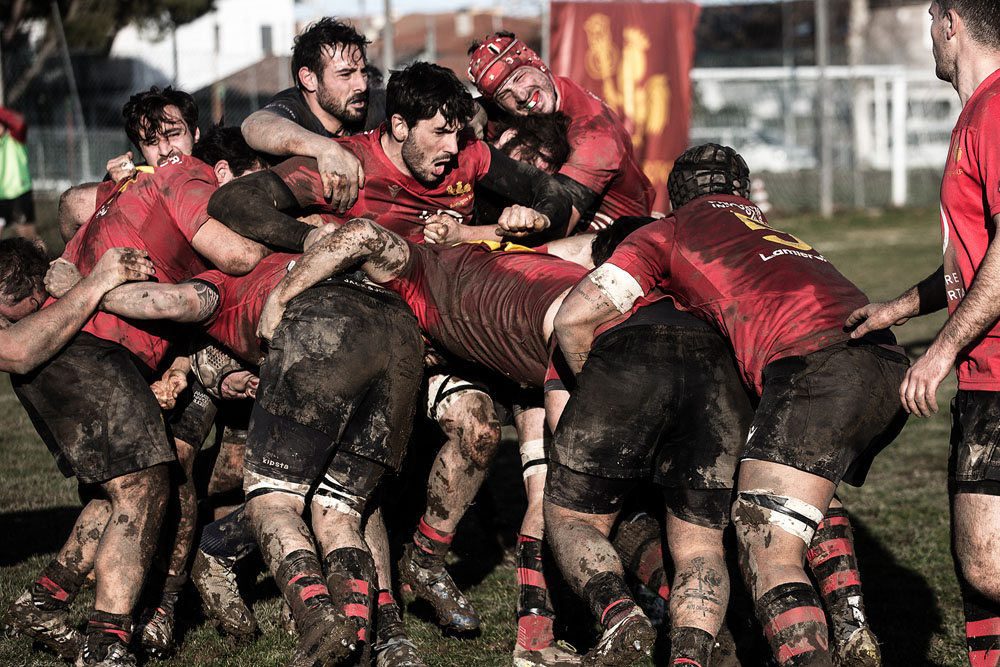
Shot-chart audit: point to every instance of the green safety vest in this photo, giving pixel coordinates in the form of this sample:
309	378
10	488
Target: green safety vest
14	177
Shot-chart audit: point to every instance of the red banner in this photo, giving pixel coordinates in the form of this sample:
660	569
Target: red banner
636	56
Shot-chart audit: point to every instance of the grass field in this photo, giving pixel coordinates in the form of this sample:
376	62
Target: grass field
900	516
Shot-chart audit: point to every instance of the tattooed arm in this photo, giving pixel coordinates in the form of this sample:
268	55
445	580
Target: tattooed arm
585	309
190	302
382	254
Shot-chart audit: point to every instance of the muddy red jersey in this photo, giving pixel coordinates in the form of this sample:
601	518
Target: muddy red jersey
241	299
394	200
158	210
601	156
486	302
970	198
769	292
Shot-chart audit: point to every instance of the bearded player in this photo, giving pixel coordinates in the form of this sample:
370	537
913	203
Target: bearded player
601	175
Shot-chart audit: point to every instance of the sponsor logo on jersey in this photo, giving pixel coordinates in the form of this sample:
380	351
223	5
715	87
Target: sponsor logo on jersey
459	188
394	190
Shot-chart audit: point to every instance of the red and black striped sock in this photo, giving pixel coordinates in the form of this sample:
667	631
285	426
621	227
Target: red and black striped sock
608	597
690	647
432	545
300	579
795	625
105	629
351	578
982	630
832	559
534	607
389	619
55	587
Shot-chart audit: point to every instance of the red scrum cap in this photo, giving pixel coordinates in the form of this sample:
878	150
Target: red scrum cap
496	59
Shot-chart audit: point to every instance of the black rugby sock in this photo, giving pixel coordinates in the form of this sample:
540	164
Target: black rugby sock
389	619
55	587
690	646
608	597
300	580
432	545
534	607
105	629
982	629
832	559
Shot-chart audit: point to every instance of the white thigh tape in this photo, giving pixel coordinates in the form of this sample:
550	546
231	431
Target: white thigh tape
533	460
792	515
252	482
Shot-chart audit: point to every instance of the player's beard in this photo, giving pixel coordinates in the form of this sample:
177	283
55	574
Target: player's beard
418	162
341	109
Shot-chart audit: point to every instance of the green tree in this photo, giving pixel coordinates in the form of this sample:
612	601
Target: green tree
89	25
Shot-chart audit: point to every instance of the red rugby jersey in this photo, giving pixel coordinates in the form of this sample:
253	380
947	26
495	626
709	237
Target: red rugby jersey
395	200
486	304
241	298
970	197
601	156
769	292
158	211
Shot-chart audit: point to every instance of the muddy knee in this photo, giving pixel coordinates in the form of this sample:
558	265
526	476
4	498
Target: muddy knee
473	422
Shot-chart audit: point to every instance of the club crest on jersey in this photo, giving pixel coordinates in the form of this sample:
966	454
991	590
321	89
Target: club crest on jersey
394	190
459	188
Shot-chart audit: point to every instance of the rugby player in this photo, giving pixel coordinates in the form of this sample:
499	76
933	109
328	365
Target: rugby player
98	385
330	99
601	174
965	35
320	391
781	305
162	124
678	413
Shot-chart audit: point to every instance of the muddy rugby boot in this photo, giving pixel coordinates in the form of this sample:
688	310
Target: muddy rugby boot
51	628
454	611
114	654
557	654
326	638
157	631
215	579
859	650
623	643
398	652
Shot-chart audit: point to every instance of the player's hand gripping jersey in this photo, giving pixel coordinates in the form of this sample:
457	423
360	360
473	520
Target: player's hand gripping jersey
770	293
158	210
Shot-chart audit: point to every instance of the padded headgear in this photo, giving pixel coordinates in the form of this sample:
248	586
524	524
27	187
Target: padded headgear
708	169
496	59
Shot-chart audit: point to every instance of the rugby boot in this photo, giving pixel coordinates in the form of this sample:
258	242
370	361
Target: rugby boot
859	650
286	620
158	629
624	642
215	579
398	652
51	628
115	654
454	611
326	638
557	654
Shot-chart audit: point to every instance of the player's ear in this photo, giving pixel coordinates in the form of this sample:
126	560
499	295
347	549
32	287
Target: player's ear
223	174
197	135
308	79
400	130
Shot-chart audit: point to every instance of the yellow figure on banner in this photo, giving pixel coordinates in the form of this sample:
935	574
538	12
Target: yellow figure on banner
643	103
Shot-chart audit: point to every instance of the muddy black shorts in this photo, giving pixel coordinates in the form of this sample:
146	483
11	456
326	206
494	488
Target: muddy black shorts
829	413
92	406
345	362
661	401
974	458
